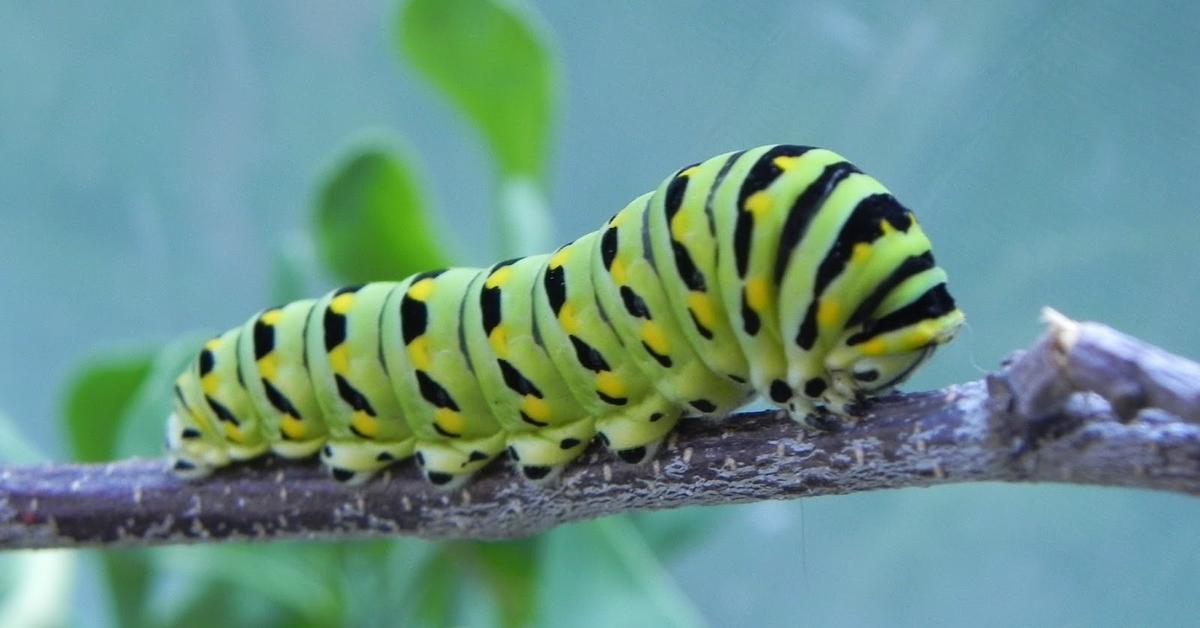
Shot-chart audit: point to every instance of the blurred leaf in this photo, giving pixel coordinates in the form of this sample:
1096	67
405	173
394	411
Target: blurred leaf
492	59
129	573
433	597
525	223
622	581
97	398
14	447
382	580
116	406
669	531
293	267
39	586
370	217
301	581
510	571
141	429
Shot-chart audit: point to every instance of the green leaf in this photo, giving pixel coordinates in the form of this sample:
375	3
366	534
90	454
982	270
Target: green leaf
141	428
510	571
97	398
129	574
668	532
370	216
624	582
492	59
38	587
299	580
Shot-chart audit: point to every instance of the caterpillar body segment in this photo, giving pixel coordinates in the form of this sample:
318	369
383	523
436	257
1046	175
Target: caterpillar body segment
781	271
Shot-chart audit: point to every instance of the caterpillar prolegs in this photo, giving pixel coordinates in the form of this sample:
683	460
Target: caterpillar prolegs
778	270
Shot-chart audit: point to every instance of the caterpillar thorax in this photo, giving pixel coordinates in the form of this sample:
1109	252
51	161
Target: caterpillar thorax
780	270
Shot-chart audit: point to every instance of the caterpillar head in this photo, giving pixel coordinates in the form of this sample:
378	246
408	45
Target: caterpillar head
865	364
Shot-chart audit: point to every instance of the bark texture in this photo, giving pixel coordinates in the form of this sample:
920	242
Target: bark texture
1085	405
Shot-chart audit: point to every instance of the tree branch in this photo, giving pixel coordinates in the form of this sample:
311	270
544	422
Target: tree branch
1034	421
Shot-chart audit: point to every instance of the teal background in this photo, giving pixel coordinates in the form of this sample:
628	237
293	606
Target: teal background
154	157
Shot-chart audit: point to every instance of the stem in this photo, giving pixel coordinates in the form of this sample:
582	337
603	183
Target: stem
1031	422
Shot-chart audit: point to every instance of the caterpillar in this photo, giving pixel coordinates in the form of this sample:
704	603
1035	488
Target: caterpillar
781	271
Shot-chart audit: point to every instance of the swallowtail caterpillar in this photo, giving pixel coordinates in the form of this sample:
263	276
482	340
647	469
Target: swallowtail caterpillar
781	271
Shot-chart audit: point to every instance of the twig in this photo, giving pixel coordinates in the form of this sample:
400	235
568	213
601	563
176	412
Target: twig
1029	422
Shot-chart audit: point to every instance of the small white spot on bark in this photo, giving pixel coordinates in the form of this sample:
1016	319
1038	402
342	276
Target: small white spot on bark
607	473
466	497
729	464
406	503
687	455
858	454
657	468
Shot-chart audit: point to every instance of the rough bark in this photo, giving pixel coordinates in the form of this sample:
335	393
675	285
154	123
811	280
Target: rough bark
1085	405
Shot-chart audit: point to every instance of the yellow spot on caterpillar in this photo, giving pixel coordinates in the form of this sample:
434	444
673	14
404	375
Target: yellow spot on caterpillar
364	424
702	308
886	227
862	252
536	409
654	337
617	220
421	290
785	162
689	172
268	366
212	345
210	383
618	272
560	257
342	303
828	312
271	317
234	433
680	224
566	318
920	335
418	353
339	359
499	278
758	294
499	341
610	384
758	204
292	427
449	421
874	347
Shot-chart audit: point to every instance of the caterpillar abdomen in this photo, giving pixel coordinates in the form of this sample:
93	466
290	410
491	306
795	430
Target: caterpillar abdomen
780	270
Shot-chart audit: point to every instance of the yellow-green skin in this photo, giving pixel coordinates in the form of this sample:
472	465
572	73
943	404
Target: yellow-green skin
780	270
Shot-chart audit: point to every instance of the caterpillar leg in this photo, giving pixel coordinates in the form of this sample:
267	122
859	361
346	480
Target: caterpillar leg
636	440
355	462
542	455
448	464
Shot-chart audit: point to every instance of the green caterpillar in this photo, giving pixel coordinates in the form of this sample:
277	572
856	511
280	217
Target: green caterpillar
778	270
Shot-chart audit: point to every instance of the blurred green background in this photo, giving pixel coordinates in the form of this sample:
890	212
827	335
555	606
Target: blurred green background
166	169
